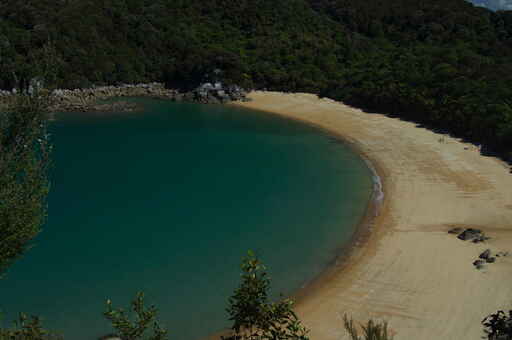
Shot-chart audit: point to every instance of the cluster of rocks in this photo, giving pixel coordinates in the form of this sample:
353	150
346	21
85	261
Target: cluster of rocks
486	257
89	99
477	236
216	93
4	93
469	234
117	106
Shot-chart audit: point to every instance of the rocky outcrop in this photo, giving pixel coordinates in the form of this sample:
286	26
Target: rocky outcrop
486	257
476	236
90	99
216	93
87	99
469	234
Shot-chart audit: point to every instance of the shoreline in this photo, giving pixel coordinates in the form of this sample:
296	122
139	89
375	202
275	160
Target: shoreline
94	99
407	269
363	228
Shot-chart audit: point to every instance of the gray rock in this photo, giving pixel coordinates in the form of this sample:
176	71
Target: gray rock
478	262
490	259
469	234
202	93
485	255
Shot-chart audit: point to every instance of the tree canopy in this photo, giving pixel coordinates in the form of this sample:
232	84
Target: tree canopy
24	160
445	63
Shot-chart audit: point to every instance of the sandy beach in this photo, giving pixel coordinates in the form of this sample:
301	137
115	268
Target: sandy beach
408	270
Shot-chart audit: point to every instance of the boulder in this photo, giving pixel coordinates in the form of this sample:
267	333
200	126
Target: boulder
485	255
490	259
479	264
469	234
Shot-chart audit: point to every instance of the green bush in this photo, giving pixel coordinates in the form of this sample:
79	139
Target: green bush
371	331
27	328
254	316
24	161
138	328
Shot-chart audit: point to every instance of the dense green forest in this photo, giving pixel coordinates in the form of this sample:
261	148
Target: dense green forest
443	63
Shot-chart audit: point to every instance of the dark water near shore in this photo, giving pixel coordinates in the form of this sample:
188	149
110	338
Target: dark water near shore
168	201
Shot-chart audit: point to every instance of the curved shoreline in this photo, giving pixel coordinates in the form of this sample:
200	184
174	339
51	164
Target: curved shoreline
409	271
363	228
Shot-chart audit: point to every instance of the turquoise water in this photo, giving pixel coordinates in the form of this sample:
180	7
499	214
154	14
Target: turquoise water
168	201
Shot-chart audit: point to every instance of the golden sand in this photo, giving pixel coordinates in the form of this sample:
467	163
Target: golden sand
410	271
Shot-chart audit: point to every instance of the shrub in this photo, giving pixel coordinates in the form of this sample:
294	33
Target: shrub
498	326
372	331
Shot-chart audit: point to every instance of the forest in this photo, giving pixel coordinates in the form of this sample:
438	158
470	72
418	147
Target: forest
443	63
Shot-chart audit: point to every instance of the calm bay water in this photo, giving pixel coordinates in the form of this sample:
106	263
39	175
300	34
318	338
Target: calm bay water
168	200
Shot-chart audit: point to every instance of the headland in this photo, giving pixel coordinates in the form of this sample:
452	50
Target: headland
95	99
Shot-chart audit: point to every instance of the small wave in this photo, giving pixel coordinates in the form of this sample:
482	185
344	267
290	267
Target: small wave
378	191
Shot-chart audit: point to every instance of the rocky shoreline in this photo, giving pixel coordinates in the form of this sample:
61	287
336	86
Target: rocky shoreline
89	99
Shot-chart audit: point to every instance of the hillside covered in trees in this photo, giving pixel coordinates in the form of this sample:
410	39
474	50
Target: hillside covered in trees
444	63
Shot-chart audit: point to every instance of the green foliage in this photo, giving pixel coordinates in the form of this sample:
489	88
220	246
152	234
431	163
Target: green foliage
446	63
253	316
24	161
498	325
372	330
128	329
27	328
